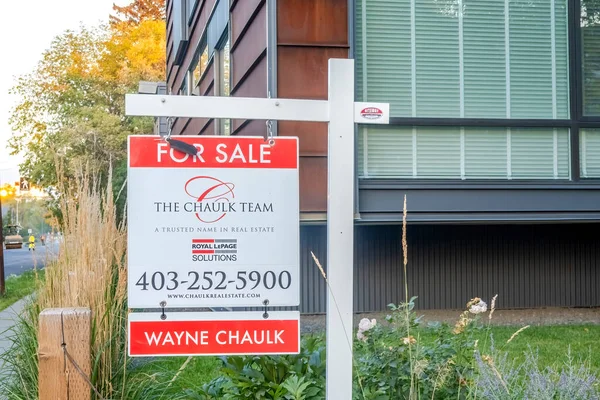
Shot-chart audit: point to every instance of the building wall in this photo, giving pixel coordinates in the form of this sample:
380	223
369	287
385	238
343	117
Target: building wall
306	34
249	57
528	266
176	74
248	73
309	32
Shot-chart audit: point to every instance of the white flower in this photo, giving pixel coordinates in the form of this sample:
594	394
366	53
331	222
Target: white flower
478	308
363	326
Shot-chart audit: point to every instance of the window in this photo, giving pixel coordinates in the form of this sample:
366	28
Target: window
589	142
198	68
465	153
191	4
472	59
218	25
185	87
464	58
179	30
590	39
224	85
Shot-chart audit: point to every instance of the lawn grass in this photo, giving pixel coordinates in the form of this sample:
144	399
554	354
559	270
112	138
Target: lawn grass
18	287
551	343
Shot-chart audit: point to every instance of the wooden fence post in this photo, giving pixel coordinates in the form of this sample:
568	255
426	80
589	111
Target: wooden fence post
58	378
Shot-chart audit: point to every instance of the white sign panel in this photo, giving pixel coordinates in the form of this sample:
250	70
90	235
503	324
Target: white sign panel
219	229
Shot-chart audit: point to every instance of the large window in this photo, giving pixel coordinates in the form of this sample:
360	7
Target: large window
464	153
476	60
465	58
590	39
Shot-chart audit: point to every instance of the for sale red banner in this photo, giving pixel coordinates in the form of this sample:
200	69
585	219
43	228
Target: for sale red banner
224	333
214	152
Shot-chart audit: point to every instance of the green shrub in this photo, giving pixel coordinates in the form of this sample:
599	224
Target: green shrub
287	377
391	361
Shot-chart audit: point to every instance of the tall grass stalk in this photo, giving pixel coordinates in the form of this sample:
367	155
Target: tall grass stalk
406	307
90	271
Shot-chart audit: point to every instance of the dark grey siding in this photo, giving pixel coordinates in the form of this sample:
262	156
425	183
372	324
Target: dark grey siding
526	265
380	201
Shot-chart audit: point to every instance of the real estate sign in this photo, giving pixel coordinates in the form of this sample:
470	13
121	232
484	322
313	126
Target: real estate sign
218	229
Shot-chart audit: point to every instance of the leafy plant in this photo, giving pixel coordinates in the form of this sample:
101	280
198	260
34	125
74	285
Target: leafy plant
287	377
391	363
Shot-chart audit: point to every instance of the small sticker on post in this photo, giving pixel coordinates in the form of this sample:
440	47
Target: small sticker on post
371	113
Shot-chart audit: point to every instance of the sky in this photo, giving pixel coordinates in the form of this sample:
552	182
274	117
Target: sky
26	31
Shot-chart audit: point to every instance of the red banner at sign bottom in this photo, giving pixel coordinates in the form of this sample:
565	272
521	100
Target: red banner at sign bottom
214	337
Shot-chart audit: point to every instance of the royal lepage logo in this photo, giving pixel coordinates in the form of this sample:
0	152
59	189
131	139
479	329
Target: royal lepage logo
214	250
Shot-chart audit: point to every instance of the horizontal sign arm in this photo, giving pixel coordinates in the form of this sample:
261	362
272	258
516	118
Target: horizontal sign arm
226	107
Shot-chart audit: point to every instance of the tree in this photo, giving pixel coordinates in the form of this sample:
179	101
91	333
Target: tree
71	112
138	11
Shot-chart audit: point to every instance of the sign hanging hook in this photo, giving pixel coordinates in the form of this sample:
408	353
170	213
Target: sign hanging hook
169	128
269	137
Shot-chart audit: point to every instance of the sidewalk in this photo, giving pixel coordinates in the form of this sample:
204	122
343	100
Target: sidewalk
7	320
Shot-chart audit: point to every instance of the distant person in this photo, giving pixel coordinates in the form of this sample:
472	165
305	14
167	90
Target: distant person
31	243
43	240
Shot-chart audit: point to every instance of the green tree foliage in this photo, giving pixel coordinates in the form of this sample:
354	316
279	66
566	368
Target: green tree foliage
71	109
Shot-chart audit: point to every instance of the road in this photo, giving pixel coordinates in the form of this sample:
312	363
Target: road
17	261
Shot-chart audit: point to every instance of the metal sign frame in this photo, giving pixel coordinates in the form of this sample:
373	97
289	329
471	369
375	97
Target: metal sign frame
341	113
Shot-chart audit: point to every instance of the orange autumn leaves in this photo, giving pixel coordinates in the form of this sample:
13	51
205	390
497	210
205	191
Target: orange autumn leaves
72	103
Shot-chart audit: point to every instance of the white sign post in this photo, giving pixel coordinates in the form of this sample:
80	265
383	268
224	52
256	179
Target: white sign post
341	112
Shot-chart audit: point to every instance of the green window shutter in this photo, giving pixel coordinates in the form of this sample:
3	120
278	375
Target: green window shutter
486	153
530	59
361	156
437	60
471	153
591	67
563	153
386	49
358	52
562	59
464	58
471	59
536	153
484	61
438	153
389	152
590	153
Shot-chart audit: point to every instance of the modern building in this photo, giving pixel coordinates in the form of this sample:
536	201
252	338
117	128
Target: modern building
494	136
